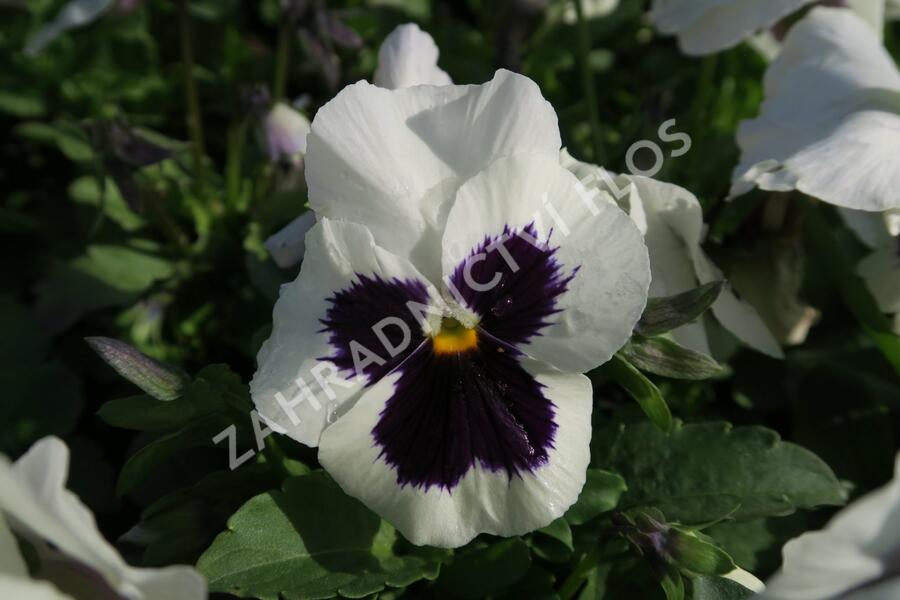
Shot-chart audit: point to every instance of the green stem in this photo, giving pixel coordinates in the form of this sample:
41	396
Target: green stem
576	578
282	56
587	82
236	134
195	118
839	268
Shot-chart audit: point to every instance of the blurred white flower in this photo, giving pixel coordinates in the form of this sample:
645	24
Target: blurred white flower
746	579
707	26
671	220
408	57
593	9
854	557
72	554
285	130
75	14
881	269
830	124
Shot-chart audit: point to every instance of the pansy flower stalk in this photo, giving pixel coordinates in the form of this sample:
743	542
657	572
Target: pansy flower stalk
457	285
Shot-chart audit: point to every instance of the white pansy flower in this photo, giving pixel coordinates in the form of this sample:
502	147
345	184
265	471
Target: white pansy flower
830	124
453	292
72	553
408	57
746	579
707	26
853	557
671	220
881	269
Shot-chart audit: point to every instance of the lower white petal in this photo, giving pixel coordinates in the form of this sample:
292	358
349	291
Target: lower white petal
22	588
11	561
288	245
483	500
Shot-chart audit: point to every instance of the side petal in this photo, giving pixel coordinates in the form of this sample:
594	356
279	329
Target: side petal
303	377
675	218
448	423
833	92
584	273
392	159
408	57
707	26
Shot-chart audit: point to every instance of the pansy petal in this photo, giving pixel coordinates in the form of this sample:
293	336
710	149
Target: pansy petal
832	93
38	506
673	211
324	319
573	302
872	229
408	57
11	561
288	244
706	26
392	159
441	451
851	552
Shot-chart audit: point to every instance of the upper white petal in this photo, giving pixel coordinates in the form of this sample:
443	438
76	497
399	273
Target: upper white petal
38	506
707	26
337	253
408	57
393	159
607	296
855	548
830	124
483	501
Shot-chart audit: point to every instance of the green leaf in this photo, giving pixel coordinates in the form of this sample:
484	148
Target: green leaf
665	357
838	266
309	541
641	389
162	381
483	571
719	588
704	472
87	192
600	494
665	314
553	542
673	584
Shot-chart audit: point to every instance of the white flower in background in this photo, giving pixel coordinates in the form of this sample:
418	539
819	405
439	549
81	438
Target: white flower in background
830	124
453	292
593	9
284	131
75	14
408	57
707	26
853	558
671	220
74	560
881	269
746	579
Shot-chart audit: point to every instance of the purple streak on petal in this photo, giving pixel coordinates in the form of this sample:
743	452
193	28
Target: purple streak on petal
355	310
524	300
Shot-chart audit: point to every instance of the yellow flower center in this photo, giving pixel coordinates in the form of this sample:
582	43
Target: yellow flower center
454	337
